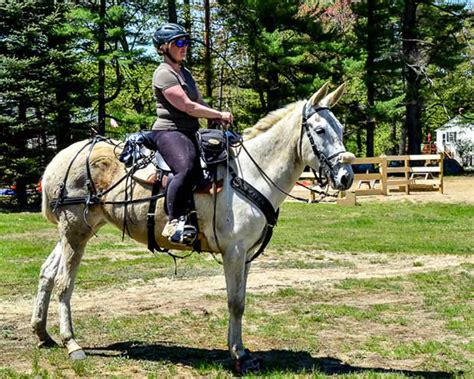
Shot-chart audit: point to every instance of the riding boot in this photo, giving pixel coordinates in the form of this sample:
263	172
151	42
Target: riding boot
170	228
184	234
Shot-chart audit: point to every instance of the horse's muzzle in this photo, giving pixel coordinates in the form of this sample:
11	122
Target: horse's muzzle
343	177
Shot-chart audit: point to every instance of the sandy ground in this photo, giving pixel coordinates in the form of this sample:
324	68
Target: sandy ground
175	293
456	190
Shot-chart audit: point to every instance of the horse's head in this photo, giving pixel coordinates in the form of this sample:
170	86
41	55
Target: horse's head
322	146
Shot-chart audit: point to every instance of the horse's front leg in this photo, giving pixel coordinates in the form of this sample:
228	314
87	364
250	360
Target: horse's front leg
236	272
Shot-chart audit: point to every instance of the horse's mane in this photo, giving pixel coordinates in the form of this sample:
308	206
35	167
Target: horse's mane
269	121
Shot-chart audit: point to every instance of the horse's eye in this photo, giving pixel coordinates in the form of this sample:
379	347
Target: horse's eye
320	131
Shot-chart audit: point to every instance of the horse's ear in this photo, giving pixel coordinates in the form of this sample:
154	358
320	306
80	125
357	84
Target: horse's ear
319	95
331	99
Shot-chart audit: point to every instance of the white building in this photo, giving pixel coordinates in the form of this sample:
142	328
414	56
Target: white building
456	139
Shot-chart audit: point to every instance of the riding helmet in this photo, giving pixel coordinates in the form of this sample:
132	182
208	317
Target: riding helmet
167	33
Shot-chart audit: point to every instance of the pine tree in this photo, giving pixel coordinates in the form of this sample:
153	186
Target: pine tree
44	96
287	52
429	39
115	38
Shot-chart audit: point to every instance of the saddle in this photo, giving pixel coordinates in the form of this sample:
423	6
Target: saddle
214	151
147	165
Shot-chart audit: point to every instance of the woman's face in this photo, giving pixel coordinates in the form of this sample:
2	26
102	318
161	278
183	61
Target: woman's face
178	49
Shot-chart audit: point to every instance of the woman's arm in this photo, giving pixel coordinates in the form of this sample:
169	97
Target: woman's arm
178	99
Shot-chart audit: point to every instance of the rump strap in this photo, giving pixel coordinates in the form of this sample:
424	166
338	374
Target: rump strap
251	193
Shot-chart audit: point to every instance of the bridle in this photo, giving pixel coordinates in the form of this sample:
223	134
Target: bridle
325	163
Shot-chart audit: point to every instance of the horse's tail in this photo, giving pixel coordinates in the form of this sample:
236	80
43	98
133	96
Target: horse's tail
45	203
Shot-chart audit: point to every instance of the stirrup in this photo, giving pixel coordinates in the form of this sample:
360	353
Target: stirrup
185	234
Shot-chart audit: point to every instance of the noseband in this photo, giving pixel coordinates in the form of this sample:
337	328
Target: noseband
325	165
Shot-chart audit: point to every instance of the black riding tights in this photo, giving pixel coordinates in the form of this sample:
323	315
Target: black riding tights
180	151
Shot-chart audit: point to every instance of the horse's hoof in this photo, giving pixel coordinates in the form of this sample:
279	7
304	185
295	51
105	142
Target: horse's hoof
77	355
47	344
248	364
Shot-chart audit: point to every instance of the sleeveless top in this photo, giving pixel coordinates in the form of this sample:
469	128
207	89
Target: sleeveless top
169	117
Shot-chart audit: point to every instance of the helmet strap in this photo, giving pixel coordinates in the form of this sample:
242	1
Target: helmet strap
170	57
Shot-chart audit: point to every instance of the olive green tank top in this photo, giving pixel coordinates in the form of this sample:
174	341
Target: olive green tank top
169	117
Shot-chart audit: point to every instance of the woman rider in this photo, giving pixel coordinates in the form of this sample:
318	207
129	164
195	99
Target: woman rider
179	104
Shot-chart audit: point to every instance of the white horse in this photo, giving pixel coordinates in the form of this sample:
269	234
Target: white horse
304	133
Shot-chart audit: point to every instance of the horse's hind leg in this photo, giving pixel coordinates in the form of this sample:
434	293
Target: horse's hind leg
45	286
74	238
60	270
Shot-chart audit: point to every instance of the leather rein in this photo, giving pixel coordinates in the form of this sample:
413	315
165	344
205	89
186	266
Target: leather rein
325	170
96	198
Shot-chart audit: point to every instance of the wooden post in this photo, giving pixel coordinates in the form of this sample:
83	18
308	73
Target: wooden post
348	200
407	174
383	171
441	175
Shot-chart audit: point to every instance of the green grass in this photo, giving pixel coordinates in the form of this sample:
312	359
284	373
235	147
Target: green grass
377	227
27	239
292	328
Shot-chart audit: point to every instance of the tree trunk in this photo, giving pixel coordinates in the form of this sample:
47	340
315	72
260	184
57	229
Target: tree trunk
369	80
207	39
101	78
63	122
273	97
411	59
188	25
258	85
20	182
172	15
393	139
359	141
402	147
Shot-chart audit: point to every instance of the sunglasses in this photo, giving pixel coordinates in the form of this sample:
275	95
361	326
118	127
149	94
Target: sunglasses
182	42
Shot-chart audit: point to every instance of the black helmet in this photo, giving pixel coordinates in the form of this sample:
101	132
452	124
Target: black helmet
167	33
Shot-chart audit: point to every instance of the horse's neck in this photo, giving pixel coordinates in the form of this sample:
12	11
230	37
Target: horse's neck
276	153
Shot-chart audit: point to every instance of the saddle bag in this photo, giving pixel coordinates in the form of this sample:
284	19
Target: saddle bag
213	146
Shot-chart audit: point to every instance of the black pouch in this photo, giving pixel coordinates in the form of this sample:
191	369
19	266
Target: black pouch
213	146
133	149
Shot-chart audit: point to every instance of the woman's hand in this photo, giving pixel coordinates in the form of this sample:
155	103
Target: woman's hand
227	117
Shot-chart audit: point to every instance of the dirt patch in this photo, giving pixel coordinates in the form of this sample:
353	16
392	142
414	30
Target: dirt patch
171	295
207	295
457	189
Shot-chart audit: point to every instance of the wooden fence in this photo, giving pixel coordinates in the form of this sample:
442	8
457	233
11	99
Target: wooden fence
400	173
390	173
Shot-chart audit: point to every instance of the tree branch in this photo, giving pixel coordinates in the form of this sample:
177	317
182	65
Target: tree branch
119	83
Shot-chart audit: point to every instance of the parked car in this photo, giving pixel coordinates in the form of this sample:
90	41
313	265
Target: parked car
7	192
7	189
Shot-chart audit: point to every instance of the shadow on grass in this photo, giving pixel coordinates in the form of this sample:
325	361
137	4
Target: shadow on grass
274	361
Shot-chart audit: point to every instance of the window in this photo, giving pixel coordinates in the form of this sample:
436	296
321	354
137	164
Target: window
451	136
